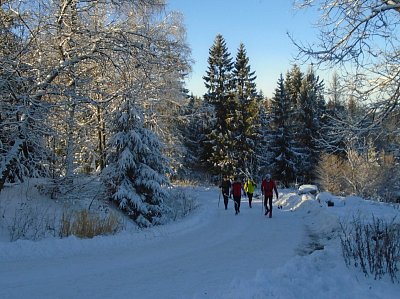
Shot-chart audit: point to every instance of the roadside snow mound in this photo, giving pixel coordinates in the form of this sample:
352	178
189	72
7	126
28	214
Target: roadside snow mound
320	218
294	202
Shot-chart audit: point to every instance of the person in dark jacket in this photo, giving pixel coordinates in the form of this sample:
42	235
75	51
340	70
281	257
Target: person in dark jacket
268	186
236	192
225	189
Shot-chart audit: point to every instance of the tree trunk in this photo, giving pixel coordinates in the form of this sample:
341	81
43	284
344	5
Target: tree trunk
10	159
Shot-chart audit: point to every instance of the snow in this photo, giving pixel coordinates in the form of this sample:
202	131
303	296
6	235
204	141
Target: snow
211	253
312	189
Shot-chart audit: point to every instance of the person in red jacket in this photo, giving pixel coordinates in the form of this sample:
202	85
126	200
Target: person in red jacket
268	186
236	192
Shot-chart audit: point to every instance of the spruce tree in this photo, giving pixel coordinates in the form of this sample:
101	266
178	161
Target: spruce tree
293	82
247	133
330	139
262	150
219	143
282	151
309	111
243	77
218	79
193	128
136	170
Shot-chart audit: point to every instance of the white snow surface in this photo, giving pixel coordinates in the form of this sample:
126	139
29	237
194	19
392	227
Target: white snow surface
212	253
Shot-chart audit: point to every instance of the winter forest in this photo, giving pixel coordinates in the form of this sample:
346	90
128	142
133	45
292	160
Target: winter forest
94	90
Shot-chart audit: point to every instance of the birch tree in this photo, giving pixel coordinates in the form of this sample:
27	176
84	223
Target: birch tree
81	54
361	40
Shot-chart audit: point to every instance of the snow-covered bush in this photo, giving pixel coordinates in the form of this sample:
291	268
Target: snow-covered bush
180	203
28	221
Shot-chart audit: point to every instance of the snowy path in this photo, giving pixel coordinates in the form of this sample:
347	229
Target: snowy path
198	257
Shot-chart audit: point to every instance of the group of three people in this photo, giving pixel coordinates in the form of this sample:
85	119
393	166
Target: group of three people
234	189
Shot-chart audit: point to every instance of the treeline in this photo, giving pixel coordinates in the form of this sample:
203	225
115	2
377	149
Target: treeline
306	133
244	133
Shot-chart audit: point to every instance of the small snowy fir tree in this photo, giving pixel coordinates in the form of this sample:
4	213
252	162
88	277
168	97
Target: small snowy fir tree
136	170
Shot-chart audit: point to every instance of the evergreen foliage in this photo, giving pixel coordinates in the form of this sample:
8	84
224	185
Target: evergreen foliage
22	148
330	140
136	172
263	145
224	137
310	108
194	125
248	122
283	154
293	83
243	77
219	140
218	79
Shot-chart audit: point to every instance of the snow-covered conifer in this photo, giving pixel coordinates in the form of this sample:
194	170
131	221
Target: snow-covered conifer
310	108
283	153
135	176
219	142
248	122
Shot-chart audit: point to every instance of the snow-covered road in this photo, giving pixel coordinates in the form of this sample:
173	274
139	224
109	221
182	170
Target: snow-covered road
198	257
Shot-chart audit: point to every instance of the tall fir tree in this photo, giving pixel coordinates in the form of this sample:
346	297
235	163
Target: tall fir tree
243	77
310	108
219	143
247	133
331	141
263	146
283	155
193	126
136	170
218	79
293	82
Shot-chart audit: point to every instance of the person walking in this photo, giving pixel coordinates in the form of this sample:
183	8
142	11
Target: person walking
249	187
225	189
268	186
236	192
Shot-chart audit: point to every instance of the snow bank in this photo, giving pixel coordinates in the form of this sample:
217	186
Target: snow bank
170	255
321	274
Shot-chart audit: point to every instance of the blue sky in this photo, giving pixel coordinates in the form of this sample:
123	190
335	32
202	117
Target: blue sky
261	25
